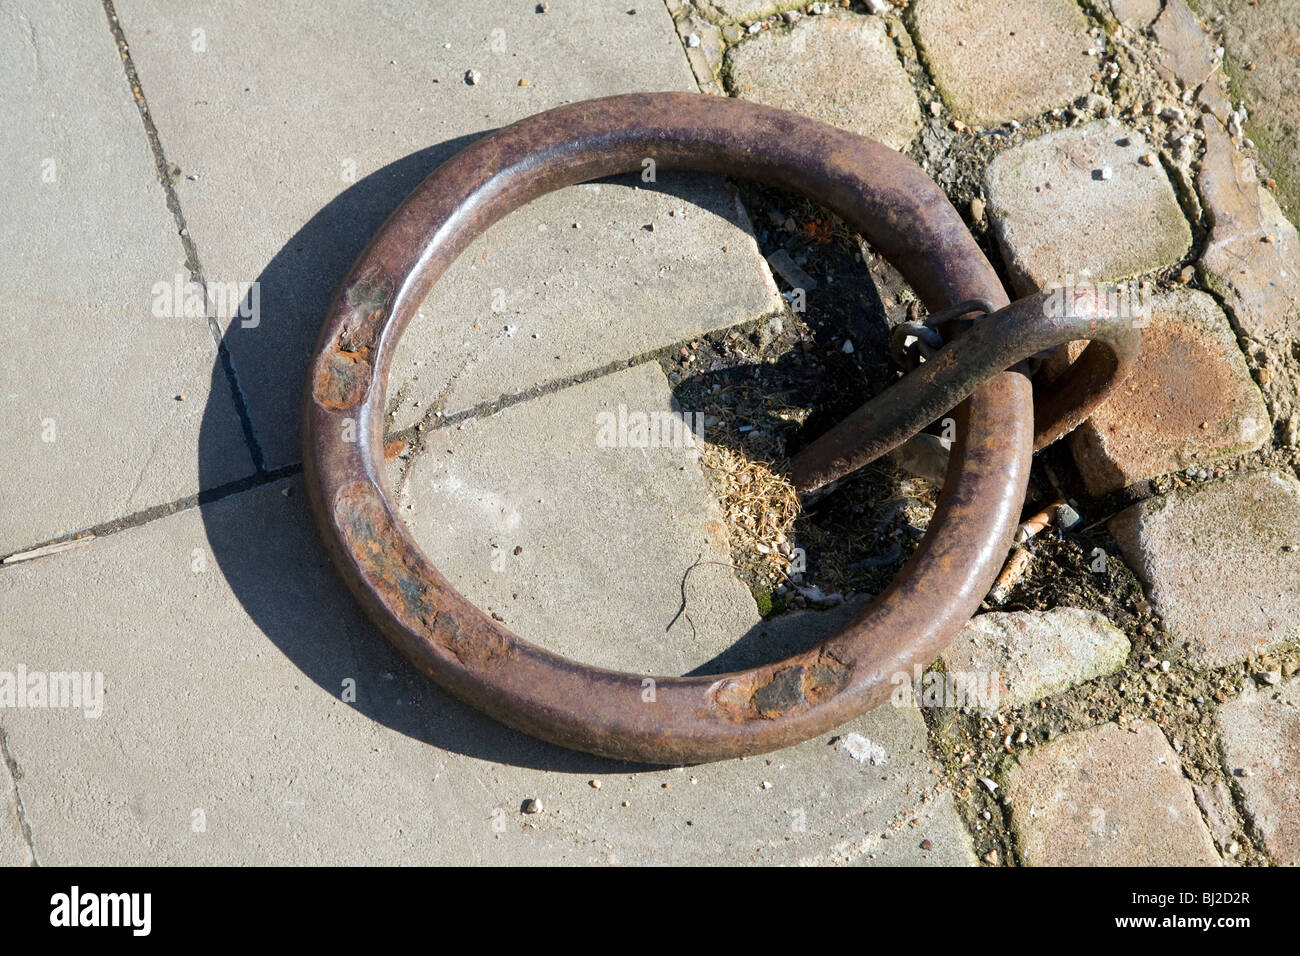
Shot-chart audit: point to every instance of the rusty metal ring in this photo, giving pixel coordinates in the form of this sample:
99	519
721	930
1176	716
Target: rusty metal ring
879	194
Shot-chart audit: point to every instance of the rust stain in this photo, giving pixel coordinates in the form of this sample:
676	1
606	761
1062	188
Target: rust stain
772	693
374	546
343	374
478	647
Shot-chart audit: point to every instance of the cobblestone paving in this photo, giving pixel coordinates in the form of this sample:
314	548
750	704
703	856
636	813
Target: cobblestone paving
1139	684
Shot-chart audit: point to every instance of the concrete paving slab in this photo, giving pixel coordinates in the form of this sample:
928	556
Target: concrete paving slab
543	516
1220	563
300	147
580	279
1261	747
1063	207
89	412
224	739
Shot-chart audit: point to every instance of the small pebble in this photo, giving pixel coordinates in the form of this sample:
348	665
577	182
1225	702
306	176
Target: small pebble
595	784
532	805
847	347
1106	172
472	77
927	845
692	40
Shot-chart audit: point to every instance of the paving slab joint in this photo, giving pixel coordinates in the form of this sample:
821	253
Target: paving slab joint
192	263
164	510
11	768
436	419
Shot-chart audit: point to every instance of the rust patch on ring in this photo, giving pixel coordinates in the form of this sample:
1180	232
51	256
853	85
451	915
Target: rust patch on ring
372	542
474	643
786	690
343	376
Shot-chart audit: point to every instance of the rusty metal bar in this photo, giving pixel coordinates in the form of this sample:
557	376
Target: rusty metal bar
989	345
879	194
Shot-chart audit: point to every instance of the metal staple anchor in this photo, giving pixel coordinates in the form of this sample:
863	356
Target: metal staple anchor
880	195
911	341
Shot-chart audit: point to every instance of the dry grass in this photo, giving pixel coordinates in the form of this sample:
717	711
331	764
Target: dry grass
759	507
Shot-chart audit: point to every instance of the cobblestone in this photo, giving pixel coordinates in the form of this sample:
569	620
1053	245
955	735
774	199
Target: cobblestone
1263	59
1188	400
1252	258
1058	220
1037	653
1221	563
1108	796
1261	746
995	62
869	94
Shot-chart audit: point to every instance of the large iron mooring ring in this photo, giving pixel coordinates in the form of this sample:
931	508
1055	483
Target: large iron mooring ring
879	194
